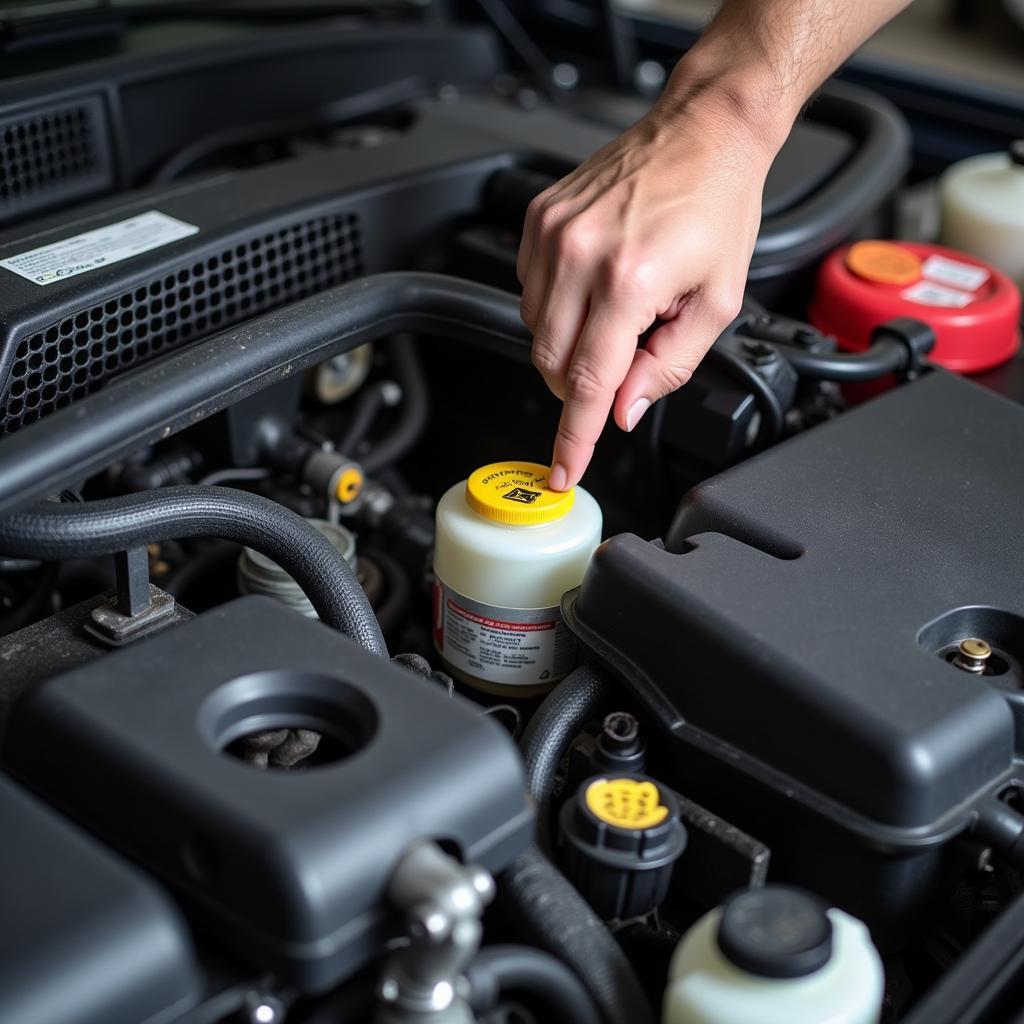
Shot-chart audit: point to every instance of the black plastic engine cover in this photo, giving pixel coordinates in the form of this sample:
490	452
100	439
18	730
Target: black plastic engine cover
290	867
86	938
793	629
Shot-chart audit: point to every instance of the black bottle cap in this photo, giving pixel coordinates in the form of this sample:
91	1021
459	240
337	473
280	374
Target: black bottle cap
619	840
776	932
1017	152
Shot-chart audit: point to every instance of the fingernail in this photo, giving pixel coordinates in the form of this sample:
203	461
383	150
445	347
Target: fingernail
636	411
559	478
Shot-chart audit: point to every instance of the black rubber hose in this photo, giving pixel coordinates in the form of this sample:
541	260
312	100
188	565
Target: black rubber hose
52	532
370	401
537	895
554	916
580	697
499	970
884	357
414	410
773	416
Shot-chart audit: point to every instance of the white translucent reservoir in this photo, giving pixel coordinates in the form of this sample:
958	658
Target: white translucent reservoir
507	549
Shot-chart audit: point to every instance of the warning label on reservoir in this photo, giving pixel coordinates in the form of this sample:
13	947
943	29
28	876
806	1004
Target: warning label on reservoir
512	646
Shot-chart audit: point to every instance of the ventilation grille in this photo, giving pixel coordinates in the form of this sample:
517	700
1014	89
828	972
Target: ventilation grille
51	155
77	355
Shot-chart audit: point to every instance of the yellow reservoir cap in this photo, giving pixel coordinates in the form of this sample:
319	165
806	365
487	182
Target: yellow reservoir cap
627	803
517	494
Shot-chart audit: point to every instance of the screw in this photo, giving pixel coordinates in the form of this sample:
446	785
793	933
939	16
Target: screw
759	353
972	655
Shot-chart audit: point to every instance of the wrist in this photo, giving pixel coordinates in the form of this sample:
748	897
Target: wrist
733	98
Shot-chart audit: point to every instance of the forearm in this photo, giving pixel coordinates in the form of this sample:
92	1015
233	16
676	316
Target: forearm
759	61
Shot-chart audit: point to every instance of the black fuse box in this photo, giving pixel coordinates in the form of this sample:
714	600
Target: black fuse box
290	867
794	638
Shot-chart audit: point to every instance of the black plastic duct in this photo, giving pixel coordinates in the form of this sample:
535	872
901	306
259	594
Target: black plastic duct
167	396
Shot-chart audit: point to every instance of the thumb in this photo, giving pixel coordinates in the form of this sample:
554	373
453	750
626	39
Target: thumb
666	363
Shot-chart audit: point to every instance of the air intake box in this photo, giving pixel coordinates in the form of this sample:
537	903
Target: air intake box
290	867
793	638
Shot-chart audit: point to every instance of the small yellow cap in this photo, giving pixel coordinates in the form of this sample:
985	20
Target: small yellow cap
626	803
516	493
348	486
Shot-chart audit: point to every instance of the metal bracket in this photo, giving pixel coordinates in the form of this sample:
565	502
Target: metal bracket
138	608
443	902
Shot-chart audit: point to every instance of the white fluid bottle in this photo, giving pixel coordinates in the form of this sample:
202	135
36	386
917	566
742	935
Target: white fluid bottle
983	209
507	549
776	955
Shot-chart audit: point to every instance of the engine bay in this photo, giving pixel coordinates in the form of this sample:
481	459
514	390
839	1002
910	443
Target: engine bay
261	359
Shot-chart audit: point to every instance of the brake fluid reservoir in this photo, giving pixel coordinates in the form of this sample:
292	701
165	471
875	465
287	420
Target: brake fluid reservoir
983	208
507	549
775	955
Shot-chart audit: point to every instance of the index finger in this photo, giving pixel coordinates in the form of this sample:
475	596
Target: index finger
599	365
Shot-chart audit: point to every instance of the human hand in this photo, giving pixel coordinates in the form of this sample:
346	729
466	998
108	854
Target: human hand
660	224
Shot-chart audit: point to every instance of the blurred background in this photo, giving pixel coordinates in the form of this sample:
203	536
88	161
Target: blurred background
977	40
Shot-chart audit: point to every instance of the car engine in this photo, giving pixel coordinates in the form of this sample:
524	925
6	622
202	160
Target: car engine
316	705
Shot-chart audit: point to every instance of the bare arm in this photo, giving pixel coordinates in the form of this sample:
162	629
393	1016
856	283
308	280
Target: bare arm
661	222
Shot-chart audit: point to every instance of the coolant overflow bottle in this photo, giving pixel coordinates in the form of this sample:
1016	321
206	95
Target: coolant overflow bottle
983	208
507	549
775	955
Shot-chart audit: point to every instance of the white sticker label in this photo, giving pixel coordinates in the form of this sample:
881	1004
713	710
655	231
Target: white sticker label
512	646
924	293
111	244
954	273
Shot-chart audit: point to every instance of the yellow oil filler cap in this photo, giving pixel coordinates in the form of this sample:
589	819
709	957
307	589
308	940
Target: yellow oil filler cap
517	494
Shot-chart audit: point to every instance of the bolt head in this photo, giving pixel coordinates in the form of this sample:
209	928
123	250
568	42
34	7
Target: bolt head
759	353
973	647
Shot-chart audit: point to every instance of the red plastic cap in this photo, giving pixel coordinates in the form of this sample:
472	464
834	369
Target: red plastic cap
972	307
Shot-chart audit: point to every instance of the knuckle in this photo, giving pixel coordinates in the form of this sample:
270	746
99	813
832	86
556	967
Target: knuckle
584	383
544	356
548	219
528	311
535	207
573	245
724	305
672	376
571	438
626	276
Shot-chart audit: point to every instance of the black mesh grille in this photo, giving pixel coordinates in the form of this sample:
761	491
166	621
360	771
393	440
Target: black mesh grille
78	354
52	154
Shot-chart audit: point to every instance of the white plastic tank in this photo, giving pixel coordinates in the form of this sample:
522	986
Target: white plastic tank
776	955
982	201
507	549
